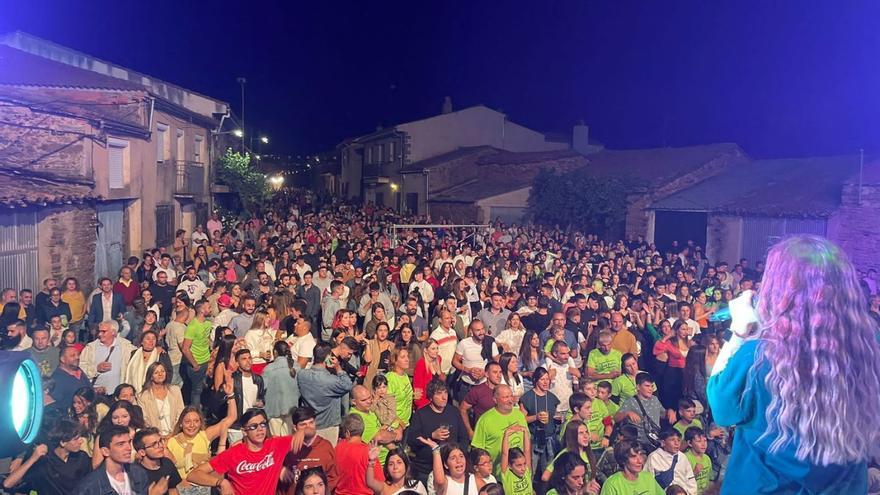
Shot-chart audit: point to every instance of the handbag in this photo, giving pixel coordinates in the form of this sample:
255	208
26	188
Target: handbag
651	428
664	478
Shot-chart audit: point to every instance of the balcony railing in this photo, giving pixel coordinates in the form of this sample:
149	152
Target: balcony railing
190	179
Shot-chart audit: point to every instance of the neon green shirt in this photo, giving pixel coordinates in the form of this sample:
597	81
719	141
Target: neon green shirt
595	424
604	363
705	475
624	386
514	485
611	407
400	387
200	335
645	484
681	427
371	427
584	458
490	432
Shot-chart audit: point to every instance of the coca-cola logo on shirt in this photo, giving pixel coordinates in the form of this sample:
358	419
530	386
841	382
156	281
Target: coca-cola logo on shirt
245	467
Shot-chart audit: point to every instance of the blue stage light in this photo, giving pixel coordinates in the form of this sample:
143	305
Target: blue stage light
21	395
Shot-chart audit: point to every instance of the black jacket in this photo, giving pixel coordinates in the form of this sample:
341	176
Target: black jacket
237	391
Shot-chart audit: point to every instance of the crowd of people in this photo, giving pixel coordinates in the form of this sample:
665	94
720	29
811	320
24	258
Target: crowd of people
307	351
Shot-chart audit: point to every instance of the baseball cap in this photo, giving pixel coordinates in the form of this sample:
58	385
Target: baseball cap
224	300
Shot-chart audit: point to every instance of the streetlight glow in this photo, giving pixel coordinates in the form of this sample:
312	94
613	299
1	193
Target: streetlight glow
238	133
264	140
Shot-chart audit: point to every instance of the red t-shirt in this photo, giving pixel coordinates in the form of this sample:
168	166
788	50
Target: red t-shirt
253	473
351	461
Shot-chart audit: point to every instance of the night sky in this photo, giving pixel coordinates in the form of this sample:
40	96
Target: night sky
791	78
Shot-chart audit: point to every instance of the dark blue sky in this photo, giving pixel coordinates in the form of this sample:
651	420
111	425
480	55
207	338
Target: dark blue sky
779	78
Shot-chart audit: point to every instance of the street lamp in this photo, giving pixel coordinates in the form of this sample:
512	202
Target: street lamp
264	140
276	181
238	133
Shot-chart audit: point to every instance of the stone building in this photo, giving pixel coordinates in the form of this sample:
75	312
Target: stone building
371	164
743	211
483	184
101	162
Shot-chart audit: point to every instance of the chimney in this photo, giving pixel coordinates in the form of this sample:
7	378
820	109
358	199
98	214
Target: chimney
580	138
447	105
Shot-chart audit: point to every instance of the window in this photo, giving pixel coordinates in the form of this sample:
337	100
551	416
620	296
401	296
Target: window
117	162
197	149
391	156
369	155
163	144
164	224
181	151
379	157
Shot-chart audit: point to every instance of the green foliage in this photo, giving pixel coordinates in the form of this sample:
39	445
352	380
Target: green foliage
580	200
236	171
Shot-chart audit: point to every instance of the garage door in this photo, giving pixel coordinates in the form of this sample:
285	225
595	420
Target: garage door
506	214
18	251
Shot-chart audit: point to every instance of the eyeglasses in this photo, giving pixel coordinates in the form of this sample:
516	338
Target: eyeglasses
158	443
256	426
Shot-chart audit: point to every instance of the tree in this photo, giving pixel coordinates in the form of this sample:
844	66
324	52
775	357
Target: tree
236	171
577	199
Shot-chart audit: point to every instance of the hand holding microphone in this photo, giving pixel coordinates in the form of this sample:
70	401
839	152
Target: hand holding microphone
742	314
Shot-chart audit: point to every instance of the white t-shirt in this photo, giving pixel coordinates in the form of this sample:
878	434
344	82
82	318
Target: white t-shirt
453	487
248	392
195	289
121	487
447	343
562	384
471	357
302	347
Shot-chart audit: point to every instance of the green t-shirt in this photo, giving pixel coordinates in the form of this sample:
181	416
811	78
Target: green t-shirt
681	427
596	426
645	484
514	485
371	427
624	386
200	335
490	432
611	407
604	363
584	458
705	475
400	387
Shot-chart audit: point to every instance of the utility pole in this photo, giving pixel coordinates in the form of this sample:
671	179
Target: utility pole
242	81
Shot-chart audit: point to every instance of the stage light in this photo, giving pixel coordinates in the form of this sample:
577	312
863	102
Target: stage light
21	395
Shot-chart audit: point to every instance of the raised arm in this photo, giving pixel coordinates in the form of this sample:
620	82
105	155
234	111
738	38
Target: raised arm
374	484
437	465
214	431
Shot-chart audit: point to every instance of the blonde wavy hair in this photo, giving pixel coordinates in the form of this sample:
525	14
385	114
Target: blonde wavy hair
820	345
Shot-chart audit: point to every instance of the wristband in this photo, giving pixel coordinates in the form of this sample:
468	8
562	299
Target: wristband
435	449
219	482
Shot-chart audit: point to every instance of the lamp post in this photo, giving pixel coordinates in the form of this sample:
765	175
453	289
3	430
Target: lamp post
242	81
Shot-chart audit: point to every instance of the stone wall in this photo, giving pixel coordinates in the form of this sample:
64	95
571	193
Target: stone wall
67	239
637	215
856	225
459	213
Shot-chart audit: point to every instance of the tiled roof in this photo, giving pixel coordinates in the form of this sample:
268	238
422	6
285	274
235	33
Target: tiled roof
20	190
477	189
18	68
659	165
786	187
434	161
489	155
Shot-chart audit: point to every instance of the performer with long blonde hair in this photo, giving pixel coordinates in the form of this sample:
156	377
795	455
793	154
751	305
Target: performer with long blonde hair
800	378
